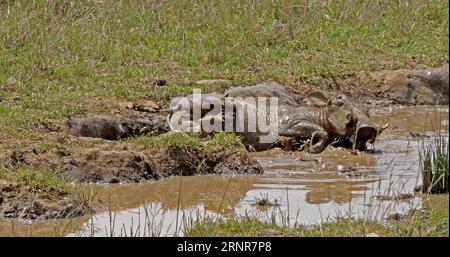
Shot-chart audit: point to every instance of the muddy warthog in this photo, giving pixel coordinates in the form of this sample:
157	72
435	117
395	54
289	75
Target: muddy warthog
366	130
114	128
329	117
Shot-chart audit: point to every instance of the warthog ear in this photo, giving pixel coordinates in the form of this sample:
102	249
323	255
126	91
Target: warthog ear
318	98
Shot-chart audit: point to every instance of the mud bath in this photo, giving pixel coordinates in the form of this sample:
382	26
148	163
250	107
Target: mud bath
309	188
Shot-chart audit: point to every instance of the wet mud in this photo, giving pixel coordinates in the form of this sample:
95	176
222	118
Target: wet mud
22	202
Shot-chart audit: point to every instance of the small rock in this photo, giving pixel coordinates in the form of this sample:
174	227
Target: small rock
373	235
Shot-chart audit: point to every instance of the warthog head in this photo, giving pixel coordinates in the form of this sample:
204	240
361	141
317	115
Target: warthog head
350	119
337	114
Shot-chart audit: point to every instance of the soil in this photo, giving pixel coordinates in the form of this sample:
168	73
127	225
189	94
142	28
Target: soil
114	162
22	202
385	87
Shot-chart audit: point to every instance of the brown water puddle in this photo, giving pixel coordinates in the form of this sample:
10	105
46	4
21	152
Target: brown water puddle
309	188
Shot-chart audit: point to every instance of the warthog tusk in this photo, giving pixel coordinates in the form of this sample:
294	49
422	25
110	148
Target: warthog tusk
356	137
378	133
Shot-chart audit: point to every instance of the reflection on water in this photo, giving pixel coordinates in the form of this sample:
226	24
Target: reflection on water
309	188
151	220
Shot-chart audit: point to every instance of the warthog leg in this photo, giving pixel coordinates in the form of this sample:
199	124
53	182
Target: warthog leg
319	141
308	130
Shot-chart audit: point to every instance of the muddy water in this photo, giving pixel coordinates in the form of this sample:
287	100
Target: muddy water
307	188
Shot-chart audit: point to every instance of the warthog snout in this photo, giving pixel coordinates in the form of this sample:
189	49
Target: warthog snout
366	133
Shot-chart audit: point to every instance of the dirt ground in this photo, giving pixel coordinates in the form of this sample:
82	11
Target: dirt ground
385	87
20	201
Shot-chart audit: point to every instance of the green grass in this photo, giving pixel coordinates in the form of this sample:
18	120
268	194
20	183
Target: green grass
435	165
192	142
70	56
433	222
46	182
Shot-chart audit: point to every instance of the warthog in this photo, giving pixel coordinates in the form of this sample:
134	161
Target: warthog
115	128
329	117
366	130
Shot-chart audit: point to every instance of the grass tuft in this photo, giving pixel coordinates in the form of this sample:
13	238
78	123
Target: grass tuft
192	141
47	182
434	165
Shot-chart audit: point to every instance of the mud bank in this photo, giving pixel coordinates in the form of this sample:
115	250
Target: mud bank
125	162
131	166
426	86
20	201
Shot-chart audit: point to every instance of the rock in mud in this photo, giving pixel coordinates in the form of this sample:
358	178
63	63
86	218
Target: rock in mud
22	202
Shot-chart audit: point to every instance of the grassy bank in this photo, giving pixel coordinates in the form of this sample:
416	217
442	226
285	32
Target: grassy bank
71	57
46	182
29	194
219	141
432	221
